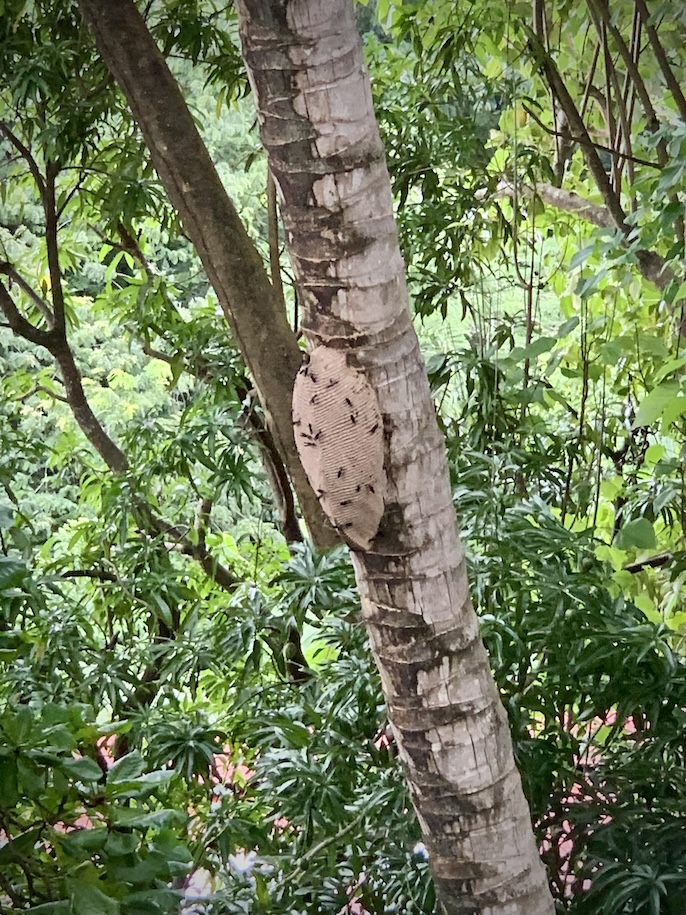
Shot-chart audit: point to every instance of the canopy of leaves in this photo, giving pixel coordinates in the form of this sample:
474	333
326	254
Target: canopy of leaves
189	715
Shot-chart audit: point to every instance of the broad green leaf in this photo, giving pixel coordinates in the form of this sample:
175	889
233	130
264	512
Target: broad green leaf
51	908
86	770
637	534
9	782
82	843
12	573
567	327
20	847
87	899
127	768
134	819
653	405
537	348
121	843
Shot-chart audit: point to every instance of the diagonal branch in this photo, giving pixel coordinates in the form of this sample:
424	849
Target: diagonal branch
602	12
25	153
56	344
651	265
18	323
659	52
40	304
233	265
561	199
574	119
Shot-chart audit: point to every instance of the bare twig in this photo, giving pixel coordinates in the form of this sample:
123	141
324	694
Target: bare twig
273	232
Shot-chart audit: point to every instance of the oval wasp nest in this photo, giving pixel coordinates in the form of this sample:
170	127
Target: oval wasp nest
339	436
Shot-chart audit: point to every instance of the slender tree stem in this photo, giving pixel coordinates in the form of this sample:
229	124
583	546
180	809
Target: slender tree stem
659	52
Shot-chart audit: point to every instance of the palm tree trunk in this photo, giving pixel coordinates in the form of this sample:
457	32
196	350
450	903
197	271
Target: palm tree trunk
318	126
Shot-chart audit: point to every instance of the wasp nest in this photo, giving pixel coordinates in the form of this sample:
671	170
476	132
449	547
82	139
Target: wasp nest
339	437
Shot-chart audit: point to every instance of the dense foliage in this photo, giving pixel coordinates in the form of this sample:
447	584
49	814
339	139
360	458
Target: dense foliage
189	714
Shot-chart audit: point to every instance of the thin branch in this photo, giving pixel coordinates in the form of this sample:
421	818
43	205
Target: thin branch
130	245
661	57
653	562
26	287
127	244
52	247
198	551
88	422
98	574
25	153
603	12
584	140
40	388
74	190
273	234
576	122
561	199
18	323
202	520
158	354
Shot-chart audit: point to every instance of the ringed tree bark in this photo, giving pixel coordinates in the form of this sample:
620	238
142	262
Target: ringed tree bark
317	124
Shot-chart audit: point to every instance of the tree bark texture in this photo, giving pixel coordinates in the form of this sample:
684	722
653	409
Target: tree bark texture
317	123
233	265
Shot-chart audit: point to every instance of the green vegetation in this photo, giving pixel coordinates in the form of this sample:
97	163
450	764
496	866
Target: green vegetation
187	700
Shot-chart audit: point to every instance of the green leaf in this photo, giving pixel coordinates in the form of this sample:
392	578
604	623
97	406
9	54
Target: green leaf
537	348
654	404
9	782
6	517
84	842
86	770
121	843
51	908
638	534
565	329
126	769
87	899
137	820
12	573
20	847
143	873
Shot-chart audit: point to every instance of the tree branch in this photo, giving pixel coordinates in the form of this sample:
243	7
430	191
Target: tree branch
18	323
576	122
25	153
661	57
52	247
40	304
234	267
561	199
41	388
273	234
587	141
98	574
651	265
602	11
83	414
